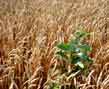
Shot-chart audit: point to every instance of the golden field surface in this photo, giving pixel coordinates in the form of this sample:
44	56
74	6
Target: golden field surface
29	32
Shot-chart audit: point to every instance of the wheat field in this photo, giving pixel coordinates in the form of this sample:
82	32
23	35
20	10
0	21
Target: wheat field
29	32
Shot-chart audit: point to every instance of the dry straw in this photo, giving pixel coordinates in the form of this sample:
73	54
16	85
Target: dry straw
29	31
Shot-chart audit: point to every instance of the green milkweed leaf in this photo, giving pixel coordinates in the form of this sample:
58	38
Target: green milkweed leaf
74	41
64	46
80	64
84	57
80	34
85	47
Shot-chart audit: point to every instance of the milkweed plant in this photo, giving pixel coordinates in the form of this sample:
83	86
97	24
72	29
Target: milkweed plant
75	52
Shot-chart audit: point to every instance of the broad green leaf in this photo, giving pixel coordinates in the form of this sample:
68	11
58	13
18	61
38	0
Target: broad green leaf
64	46
77	50
80	64
74	59
74	42
80	34
85	47
84	56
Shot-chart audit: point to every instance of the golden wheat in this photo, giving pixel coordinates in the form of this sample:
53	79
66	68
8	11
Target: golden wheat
29	31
